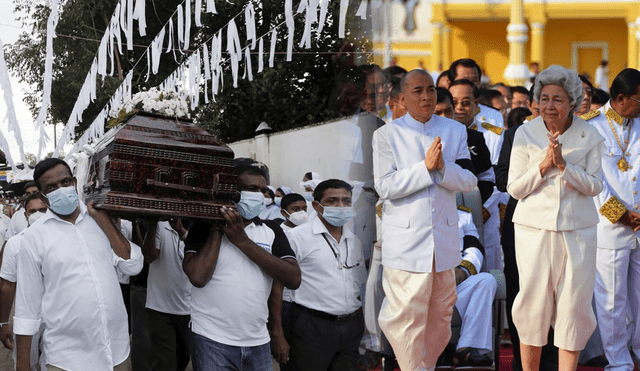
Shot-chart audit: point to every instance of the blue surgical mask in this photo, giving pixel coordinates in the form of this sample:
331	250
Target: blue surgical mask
308	196
251	204
64	200
337	216
277	200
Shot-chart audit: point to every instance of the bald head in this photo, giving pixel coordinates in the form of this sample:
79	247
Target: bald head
418	95
408	75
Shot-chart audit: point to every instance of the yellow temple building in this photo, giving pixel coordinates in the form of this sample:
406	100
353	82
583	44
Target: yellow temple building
508	35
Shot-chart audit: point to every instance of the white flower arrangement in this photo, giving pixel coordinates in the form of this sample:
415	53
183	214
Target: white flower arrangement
167	103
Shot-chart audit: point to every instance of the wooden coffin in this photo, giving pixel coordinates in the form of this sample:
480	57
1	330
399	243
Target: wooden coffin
160	166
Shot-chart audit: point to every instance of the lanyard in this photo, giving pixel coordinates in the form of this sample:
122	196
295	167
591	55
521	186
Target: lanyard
337	254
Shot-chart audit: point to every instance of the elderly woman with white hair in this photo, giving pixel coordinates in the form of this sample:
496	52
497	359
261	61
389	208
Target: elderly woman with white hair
555	172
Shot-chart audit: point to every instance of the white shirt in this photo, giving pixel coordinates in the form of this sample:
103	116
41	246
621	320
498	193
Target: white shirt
270	212
232	307
326	285
126	228
17	224
66	270
287	293
9	269
467	228
419	214
168	287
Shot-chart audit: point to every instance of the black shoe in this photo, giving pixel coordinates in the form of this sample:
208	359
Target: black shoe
370	360
473	359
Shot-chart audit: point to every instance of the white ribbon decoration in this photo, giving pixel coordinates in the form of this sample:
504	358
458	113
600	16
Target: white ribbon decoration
362	10
344	4
288	15
324	8
10	114
211	7
272	47
235	49
198	13
156	51
260	55
140	16
250	22
187	24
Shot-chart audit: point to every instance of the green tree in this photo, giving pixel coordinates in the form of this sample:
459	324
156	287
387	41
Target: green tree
292	94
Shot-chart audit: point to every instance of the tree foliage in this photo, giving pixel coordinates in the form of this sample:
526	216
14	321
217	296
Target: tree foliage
292	94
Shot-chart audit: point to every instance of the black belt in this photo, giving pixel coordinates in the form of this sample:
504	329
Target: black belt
324	315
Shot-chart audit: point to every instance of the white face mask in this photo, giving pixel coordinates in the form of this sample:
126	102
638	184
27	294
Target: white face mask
268	201
277	200
33	217
298	218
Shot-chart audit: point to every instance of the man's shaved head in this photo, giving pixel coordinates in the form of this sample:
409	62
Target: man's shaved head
407	76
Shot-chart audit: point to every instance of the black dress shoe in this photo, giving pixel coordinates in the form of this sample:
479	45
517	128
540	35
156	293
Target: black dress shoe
471	357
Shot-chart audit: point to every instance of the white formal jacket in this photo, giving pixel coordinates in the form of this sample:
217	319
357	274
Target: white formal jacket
559	201
419	218
625	186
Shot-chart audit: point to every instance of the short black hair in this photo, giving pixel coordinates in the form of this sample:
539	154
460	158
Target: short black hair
330	183
393	70
464	62
403	80
46	165
269	192
488	95
29	184
517	116
520	89
442	74
600	96
476	91
289	199
444	94
248	169
585	80
626	83
29	198
395	92
531	93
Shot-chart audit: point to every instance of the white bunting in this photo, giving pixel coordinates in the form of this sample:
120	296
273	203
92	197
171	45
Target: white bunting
362	10
247	62
10	114
272	47
149	63
140	16
211	7
205	62
344	4
288	16
156	51
234	49
260	55
324	8
180	27
102	56
198	13
250	22
187	24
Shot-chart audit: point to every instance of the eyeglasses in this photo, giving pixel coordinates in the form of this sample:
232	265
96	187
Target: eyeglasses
464	103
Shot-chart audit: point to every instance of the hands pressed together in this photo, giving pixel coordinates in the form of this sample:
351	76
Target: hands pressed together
433	159
631	219
553	156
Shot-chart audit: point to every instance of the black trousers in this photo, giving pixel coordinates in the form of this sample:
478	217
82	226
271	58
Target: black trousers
320	344
169	335
549	357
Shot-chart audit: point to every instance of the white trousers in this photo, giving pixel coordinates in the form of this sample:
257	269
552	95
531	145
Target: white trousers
617	293
475	303
557	275
416	315
491	243
373	302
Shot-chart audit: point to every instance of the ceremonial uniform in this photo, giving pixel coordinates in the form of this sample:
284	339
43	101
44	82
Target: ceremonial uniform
618	258
489	115
493	137
476	293
420	313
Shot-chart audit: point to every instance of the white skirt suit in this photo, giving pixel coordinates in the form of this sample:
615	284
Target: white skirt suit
555	233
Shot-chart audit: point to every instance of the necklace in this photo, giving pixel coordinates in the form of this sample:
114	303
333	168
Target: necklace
623	165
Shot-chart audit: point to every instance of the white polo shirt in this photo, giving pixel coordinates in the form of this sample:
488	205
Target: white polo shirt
232	307
168	287
327	285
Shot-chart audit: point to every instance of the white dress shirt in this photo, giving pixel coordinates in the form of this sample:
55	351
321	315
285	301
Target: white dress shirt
327	285
17	224
490	115
625	186
9	270
419	214
67	271
168	287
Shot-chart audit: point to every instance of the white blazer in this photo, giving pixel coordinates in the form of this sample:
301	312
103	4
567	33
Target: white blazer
420	218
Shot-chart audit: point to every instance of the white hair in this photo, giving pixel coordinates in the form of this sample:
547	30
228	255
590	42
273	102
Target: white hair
563	77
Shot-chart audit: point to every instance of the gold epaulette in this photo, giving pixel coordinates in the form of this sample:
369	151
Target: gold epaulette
503	210
485	214
492	128
477	110
464	208
615	116
379	210
589	115
613	209
473	126
529	118
383	112
470	267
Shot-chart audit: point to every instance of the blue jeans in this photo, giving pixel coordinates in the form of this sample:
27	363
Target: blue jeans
209	355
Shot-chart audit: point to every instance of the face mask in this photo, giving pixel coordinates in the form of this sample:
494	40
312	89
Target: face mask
33	217
308	196
297	218
64	200
251	204
277	200
337	216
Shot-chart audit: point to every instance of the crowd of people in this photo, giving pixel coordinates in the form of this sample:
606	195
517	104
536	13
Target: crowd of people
333	275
